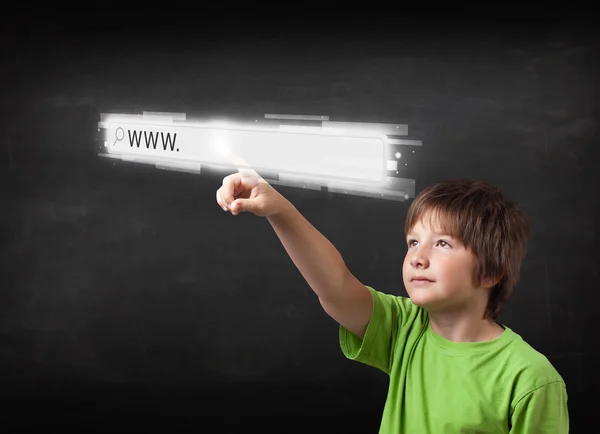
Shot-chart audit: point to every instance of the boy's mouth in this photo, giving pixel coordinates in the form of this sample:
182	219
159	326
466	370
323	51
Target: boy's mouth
420	279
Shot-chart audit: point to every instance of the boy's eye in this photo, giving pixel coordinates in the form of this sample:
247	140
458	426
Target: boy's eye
442	243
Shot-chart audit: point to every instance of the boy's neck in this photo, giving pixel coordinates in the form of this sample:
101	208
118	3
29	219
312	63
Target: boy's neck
464	328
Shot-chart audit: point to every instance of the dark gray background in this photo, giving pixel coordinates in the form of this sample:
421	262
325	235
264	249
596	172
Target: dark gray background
128	293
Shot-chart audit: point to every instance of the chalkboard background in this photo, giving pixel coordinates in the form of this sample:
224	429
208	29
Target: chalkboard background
129	297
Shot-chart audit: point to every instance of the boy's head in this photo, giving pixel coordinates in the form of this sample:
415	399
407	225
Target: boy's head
469	241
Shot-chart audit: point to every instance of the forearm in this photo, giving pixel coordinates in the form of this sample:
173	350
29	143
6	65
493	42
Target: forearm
319	262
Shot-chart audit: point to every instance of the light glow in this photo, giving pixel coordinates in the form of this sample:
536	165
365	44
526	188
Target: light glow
306	152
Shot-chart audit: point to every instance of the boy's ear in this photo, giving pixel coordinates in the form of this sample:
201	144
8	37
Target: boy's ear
490	282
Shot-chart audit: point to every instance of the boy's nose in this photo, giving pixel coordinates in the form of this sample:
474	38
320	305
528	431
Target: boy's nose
419	260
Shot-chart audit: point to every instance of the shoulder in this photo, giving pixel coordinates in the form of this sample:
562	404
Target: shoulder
538	392
397	319
398	308
530	368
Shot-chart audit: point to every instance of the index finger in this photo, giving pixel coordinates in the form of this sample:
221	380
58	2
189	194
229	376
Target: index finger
248	175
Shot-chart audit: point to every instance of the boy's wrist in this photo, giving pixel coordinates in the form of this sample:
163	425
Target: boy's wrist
283	206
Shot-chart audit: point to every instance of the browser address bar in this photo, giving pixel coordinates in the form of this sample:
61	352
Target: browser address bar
344	157
324	155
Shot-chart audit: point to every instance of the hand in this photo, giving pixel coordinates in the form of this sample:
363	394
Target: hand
247	191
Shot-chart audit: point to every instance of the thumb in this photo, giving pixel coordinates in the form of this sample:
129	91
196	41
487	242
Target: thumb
242	205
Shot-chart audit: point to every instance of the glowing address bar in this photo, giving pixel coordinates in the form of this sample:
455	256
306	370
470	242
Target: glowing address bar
342	157
323	154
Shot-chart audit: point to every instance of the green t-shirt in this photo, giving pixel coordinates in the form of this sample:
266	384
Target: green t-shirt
439	386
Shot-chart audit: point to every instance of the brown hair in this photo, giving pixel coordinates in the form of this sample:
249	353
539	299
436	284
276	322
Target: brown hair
488	224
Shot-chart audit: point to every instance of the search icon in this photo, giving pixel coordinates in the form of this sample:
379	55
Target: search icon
117	138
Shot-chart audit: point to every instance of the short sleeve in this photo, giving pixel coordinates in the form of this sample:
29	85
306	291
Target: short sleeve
542	411
389	326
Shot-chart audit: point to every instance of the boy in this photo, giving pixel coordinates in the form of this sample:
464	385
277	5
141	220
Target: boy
452	367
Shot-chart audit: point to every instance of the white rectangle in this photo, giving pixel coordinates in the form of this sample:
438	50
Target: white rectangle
328	155
405	142
381	128
181	167
171	116
297	117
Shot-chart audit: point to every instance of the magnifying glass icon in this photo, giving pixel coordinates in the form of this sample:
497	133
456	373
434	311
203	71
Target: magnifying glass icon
117	138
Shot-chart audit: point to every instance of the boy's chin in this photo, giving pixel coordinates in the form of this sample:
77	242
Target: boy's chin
421	303
421	299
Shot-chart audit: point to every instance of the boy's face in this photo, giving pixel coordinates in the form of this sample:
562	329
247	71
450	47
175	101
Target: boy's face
446	264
